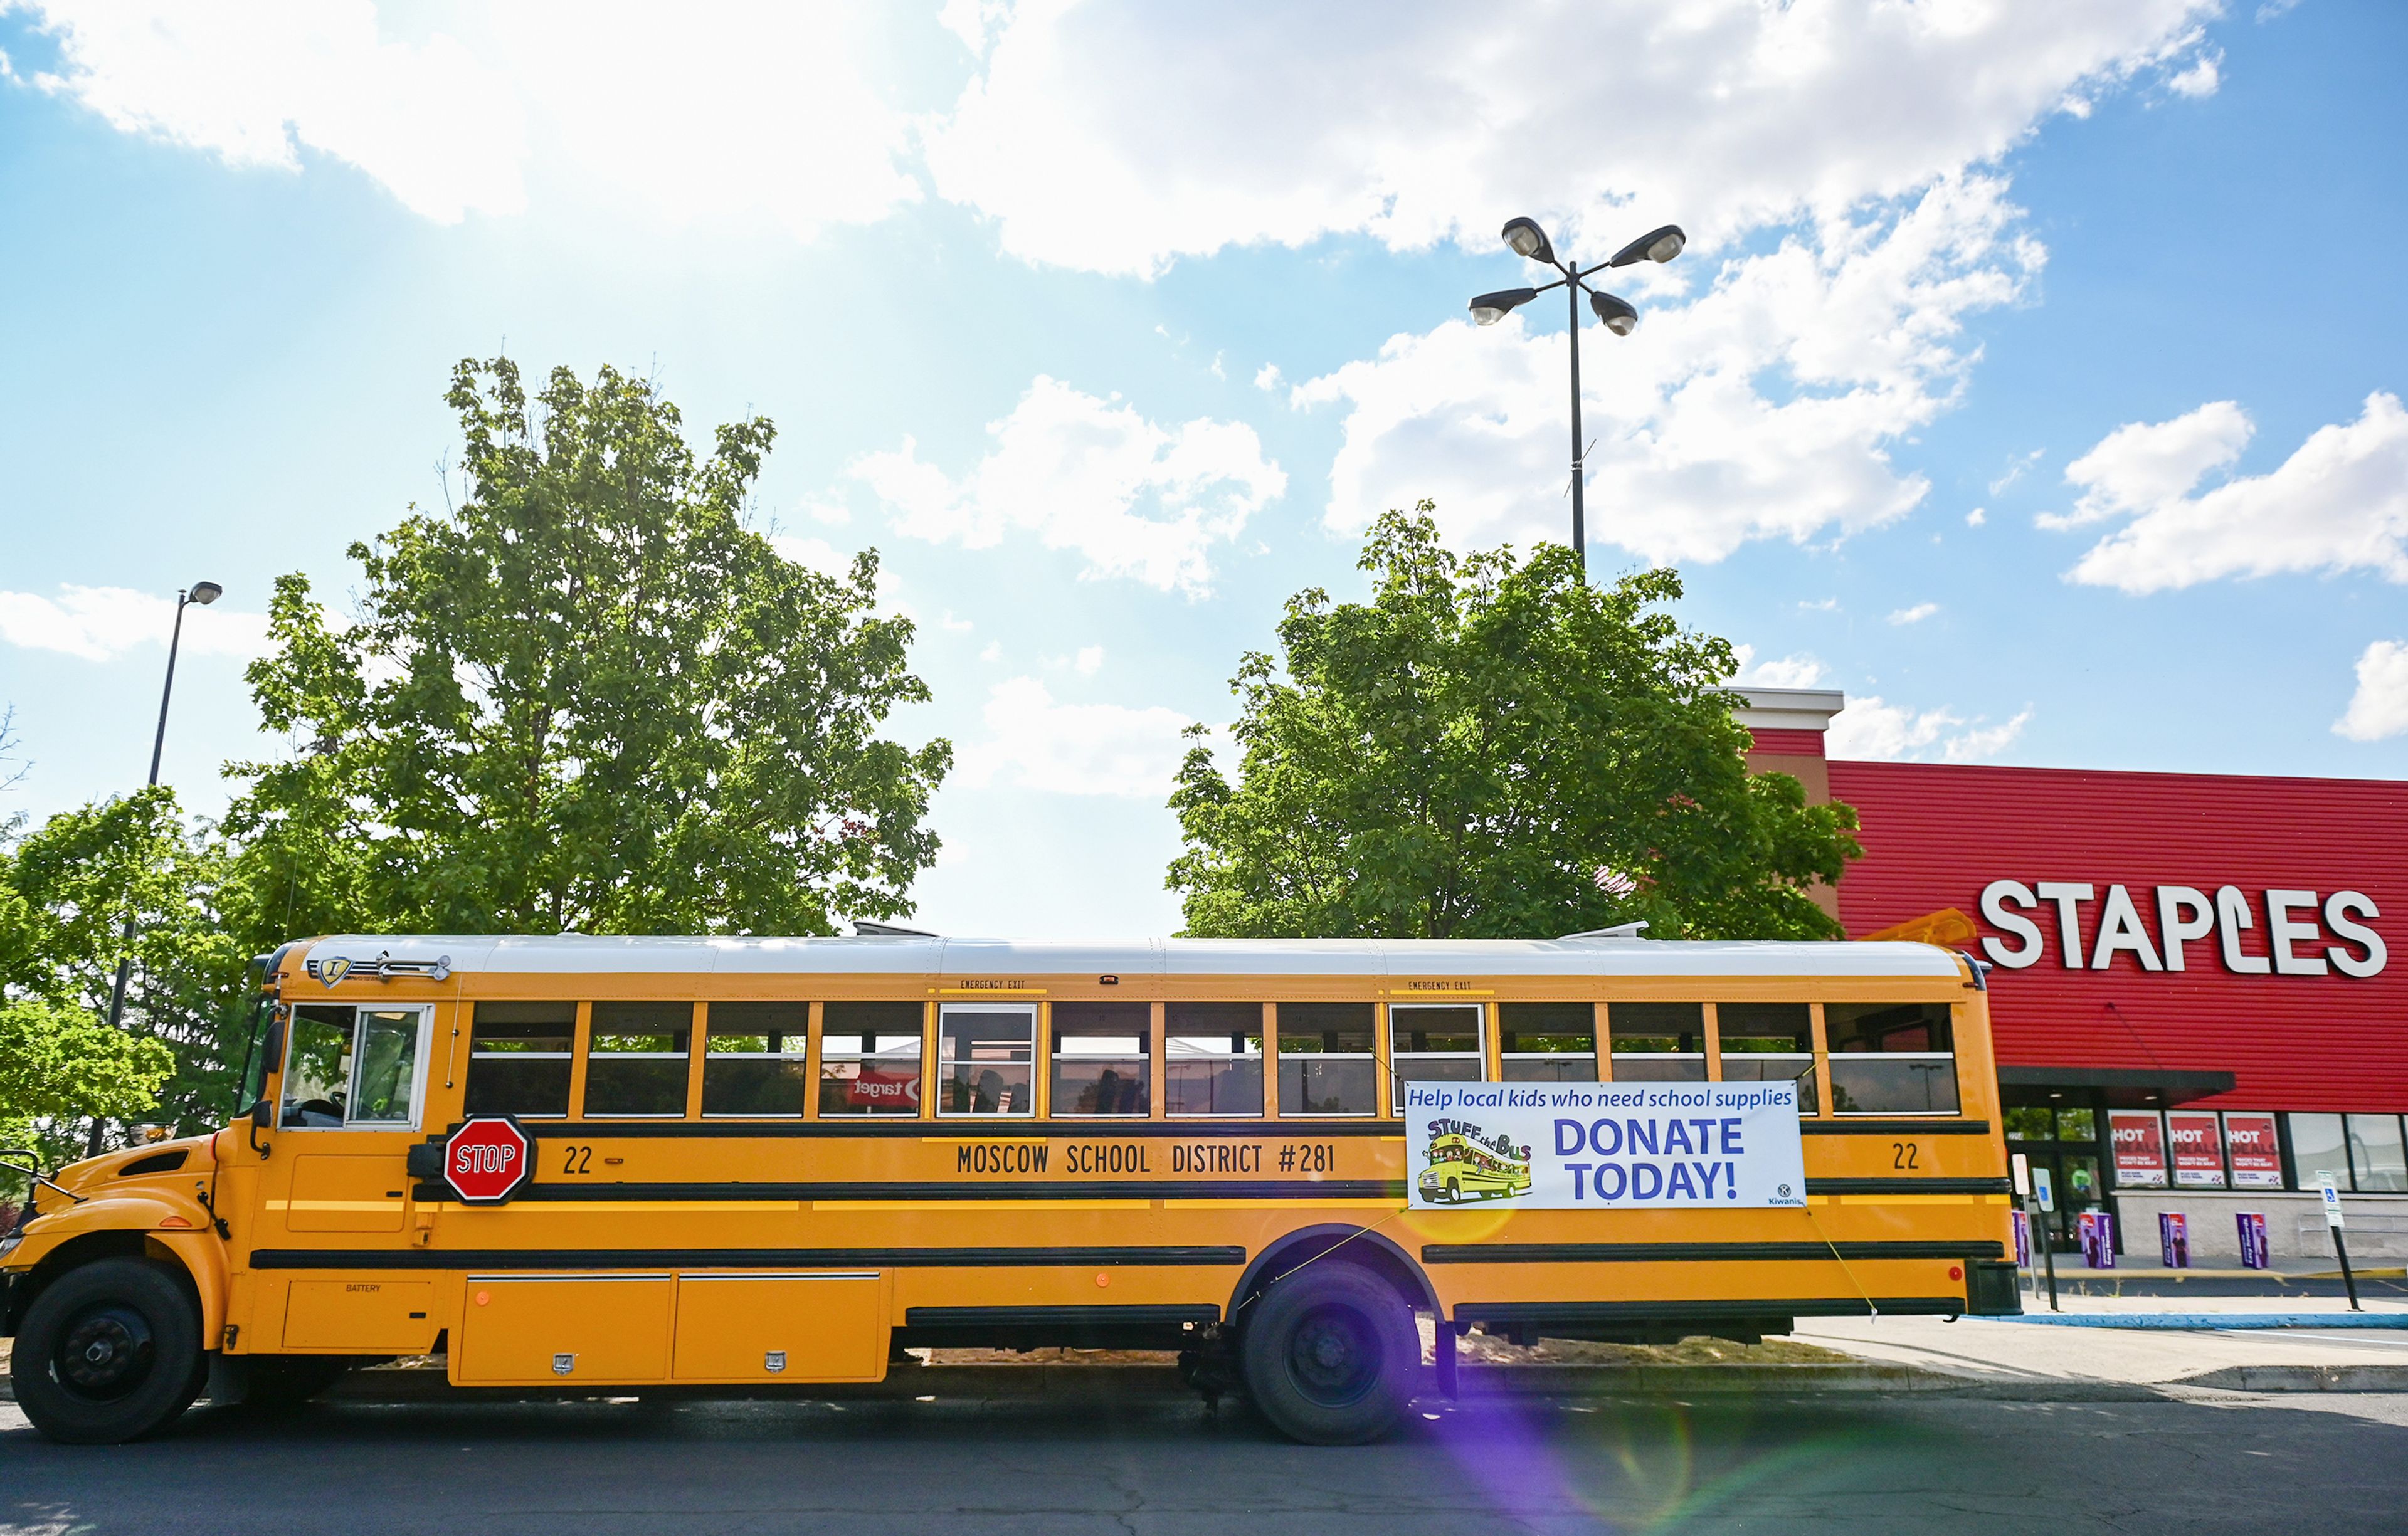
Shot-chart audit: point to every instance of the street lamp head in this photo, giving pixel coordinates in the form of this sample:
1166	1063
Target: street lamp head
1656	245
205	592
1489	308
1528	239
1619	317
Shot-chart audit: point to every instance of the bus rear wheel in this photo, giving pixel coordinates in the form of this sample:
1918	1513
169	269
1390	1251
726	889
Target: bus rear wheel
110	1352
1331	1356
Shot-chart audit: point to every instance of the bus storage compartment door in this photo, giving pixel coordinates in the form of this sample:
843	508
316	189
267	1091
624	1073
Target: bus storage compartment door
796	1327
356	1193
363	1316
578	1327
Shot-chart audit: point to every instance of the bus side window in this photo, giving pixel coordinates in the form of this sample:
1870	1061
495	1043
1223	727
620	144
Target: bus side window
638	1062
1325	1064
317	1065
1657	1041
1432	1043
753	1058
870	1058
1212	1060
1769	1042
1547	1041
1891	1057
519	1057
1103	1059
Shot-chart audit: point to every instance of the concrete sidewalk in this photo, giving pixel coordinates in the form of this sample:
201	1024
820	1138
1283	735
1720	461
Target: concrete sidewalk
1999	1351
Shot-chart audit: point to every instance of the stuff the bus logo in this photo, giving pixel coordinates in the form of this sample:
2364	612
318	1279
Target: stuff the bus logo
1462	1162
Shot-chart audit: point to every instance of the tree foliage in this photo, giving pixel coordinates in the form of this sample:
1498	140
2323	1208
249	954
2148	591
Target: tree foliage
1493	749
588	697
67	890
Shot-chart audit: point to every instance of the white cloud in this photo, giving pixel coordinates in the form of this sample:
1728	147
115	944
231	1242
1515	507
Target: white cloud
1914	615
2015	469
1871	729
2140	466
1762	408
99	623
993	651
2340	503
2201	80
2379	709
1976	518
1081	749
958	626
1089	661
765	111
1117	138
1134	498
1828	605
1267	377
1793	671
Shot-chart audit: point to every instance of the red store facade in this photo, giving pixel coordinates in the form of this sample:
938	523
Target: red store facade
2198	983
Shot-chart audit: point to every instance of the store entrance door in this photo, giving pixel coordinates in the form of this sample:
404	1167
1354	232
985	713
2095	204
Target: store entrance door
2065	1142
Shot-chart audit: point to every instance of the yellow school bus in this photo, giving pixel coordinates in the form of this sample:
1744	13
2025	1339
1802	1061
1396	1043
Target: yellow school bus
594	1163
1459	1169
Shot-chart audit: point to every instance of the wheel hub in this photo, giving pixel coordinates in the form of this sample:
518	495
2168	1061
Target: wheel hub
1332	1357
106	1353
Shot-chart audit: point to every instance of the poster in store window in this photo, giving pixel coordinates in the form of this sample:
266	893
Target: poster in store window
2257	1157
2140	1138
2197	1145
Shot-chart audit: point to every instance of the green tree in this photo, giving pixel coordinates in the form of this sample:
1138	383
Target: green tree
1491	748
588	697
68	890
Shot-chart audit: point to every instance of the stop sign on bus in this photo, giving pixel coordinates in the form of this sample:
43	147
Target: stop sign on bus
487	1159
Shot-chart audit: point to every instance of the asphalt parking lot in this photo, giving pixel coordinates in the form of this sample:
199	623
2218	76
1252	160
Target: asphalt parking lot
2302	1463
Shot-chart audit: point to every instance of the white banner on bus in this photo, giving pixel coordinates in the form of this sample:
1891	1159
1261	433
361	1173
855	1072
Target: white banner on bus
1624	1146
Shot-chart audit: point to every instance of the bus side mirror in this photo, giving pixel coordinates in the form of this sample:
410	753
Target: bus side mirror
263	1117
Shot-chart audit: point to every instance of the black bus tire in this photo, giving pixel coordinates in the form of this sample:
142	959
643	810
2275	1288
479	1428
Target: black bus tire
1454	1192
1330	1355
110	1352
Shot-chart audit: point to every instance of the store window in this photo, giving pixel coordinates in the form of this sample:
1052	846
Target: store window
2378	1163
1103	1059
519	1056
1657	1041
1433	1043
986	1059
870	1058
755	1059
2030	1123
1769	1042
637	1064
1547	1041
1326	1065
1212	1060
1891	1057
2317	1146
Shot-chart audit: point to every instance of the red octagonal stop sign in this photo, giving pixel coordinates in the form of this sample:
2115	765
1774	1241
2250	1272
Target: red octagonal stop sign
487	1159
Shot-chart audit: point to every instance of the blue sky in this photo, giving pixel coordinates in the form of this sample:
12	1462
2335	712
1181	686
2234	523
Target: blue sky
1109	327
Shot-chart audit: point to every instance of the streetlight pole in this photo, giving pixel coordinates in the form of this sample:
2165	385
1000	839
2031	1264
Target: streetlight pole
203	594
1527	239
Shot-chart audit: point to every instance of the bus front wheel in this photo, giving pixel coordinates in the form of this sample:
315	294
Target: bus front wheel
110	1352
1331	1356
1454	1192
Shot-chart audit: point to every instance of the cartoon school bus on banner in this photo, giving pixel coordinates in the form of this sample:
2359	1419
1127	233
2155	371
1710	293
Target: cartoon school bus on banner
1461	1169
583	1163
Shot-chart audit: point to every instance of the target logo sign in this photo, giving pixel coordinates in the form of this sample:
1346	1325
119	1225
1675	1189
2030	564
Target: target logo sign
487	1159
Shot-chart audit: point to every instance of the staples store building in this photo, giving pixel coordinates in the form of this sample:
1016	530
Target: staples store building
2198	987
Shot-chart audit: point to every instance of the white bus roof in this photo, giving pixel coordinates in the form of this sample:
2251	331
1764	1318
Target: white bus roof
579	954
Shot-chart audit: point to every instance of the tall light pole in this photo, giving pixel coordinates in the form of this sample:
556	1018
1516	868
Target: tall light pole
204	593
1529	241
